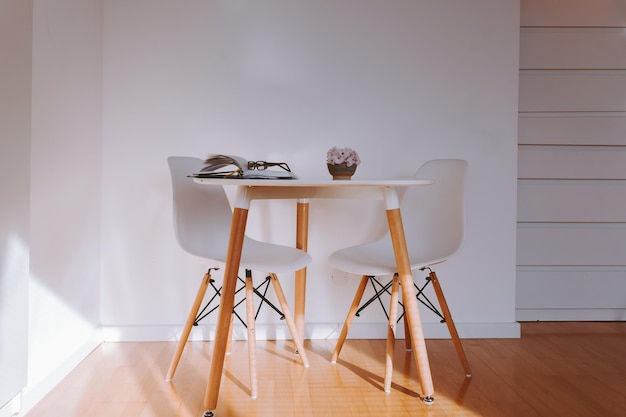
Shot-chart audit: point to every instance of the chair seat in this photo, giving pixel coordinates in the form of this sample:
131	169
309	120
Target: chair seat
377	258
260	256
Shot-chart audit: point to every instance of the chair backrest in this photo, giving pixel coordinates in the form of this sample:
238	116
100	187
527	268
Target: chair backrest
434	216
202	213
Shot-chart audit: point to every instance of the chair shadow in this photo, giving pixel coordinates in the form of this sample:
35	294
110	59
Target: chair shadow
238	383
284	355
460	395
376	380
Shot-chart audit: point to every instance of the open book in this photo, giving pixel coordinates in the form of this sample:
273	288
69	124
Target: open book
238	167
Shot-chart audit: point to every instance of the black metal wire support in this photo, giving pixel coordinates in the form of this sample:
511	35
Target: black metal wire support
380	289
260	291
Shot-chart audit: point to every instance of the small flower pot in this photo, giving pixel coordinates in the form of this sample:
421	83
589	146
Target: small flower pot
341	171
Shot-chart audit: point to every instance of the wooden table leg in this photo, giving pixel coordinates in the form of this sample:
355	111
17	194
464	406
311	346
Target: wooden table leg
302	237
409	299
227	301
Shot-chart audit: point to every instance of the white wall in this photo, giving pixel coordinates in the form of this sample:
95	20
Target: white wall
15	89
65	188
400	81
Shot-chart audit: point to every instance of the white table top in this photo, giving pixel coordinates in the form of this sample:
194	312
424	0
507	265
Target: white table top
307	188
315	182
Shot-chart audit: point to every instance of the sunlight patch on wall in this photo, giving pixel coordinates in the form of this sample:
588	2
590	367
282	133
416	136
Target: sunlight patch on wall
48	339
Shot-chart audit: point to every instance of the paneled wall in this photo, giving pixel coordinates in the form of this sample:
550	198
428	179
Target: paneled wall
571	252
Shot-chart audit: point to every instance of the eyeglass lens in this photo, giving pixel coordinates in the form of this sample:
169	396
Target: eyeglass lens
263	165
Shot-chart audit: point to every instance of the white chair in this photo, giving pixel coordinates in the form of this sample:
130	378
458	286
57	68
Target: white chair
202	219
433	218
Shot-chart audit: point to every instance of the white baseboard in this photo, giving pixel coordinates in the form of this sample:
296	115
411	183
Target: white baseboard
313	331
12	408
32	394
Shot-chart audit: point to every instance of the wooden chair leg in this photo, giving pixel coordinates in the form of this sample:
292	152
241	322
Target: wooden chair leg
391	332
250	322
291	324
451	327
191	318
350	317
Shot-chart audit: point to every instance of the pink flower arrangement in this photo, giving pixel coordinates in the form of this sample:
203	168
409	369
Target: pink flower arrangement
337	156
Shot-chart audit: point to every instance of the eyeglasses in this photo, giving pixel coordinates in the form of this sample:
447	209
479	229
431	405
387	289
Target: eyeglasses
263	165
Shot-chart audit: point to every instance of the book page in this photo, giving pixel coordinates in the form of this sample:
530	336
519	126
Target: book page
214	162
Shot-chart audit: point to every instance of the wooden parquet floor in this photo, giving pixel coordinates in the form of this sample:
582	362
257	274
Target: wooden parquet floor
555	369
